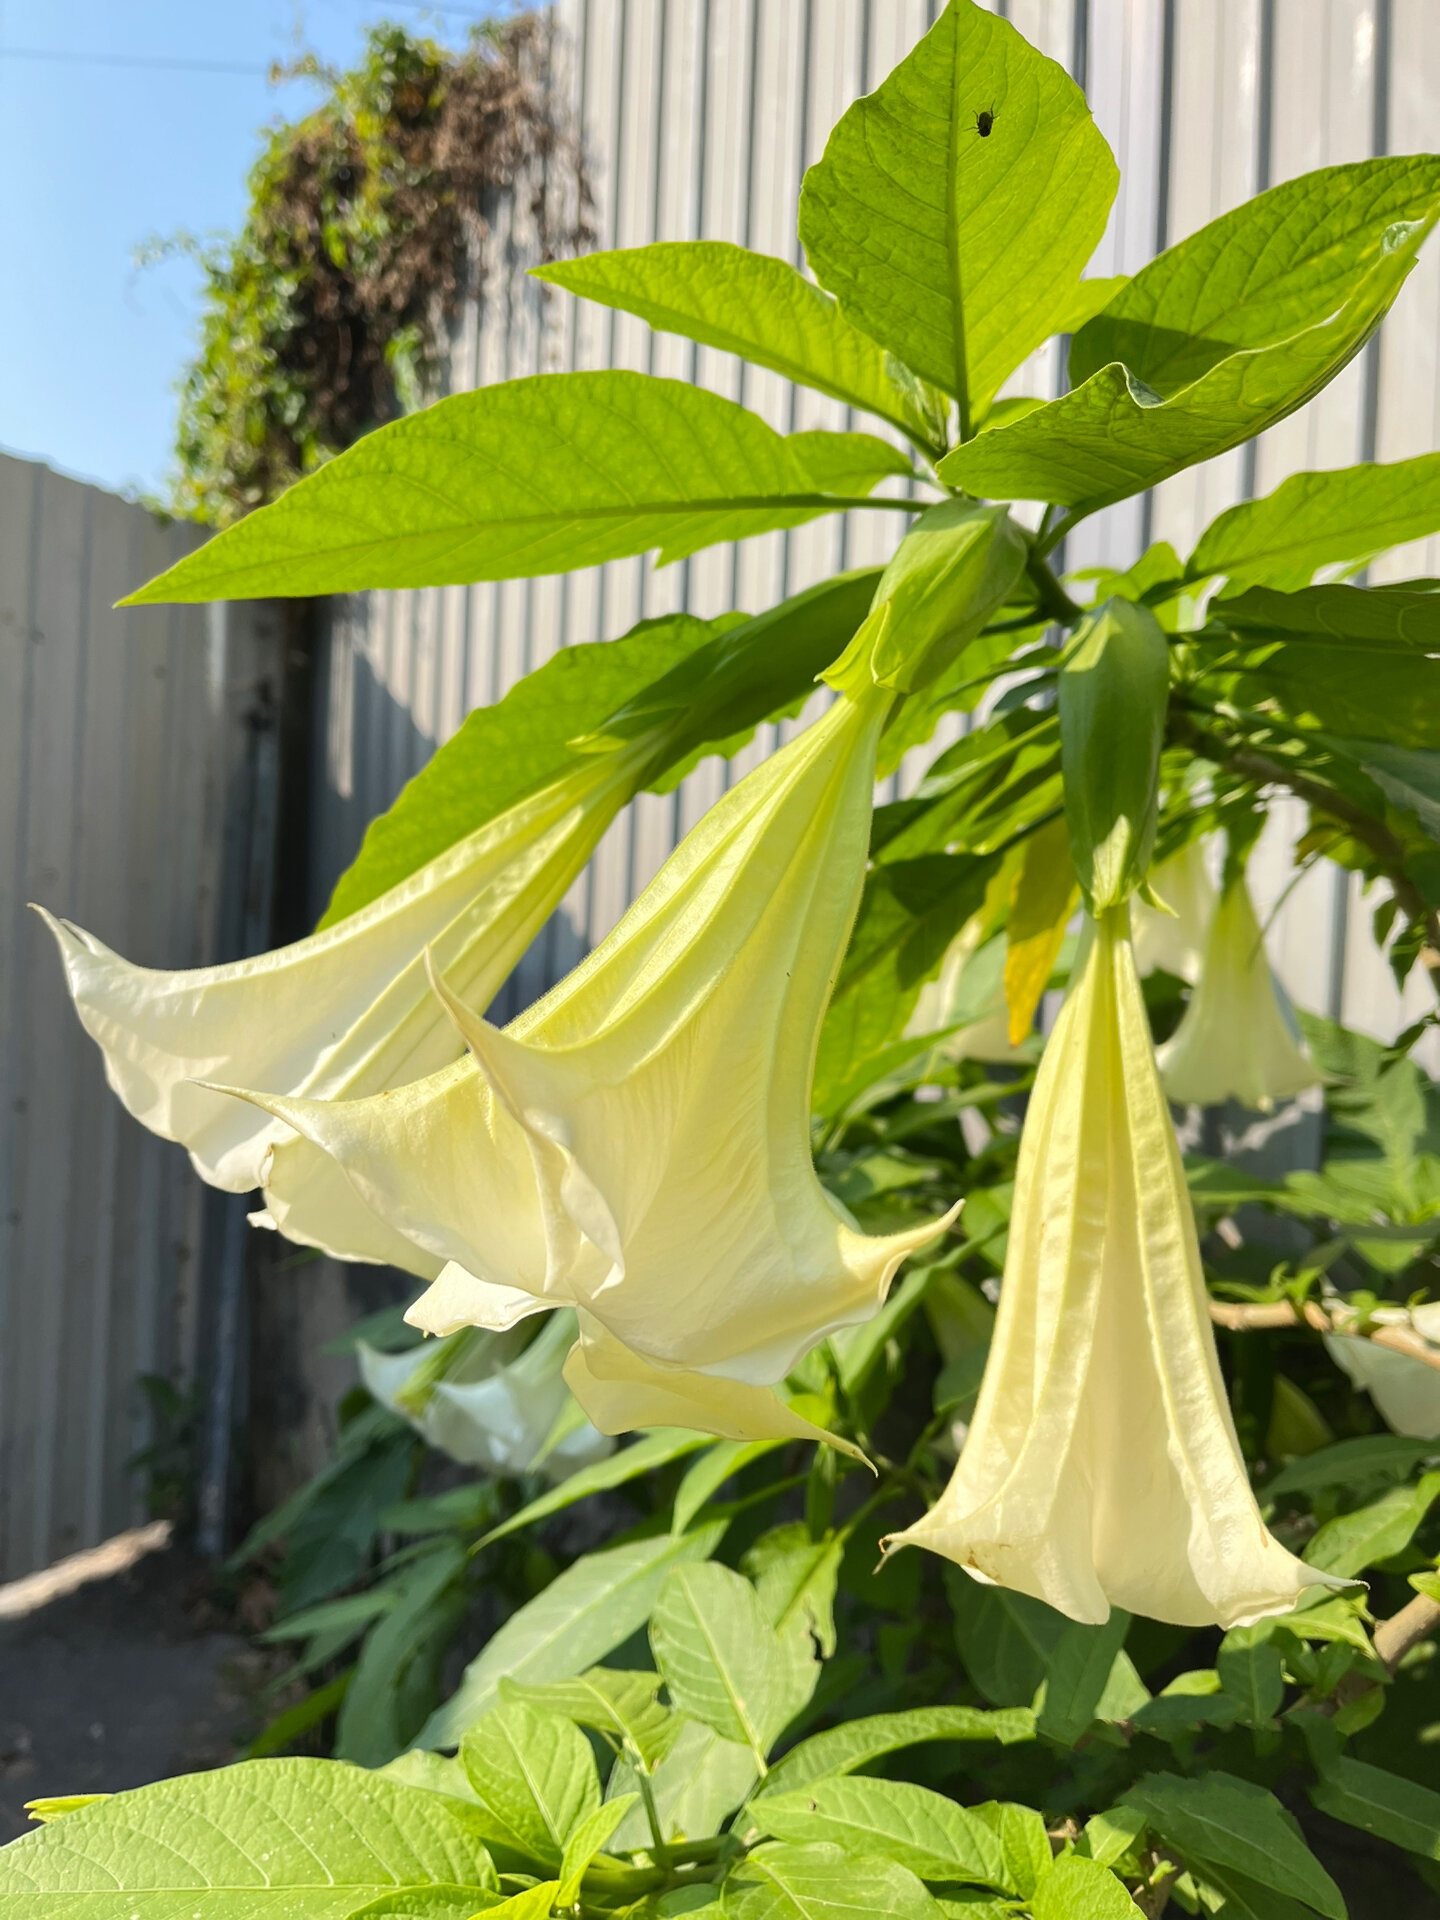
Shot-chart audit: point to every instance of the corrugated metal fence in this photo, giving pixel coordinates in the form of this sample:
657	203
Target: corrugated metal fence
700	117
127	755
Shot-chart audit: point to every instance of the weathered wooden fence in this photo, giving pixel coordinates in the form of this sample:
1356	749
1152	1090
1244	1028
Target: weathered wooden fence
700	117
131	744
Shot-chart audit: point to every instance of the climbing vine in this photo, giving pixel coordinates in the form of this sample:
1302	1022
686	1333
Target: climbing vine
327	314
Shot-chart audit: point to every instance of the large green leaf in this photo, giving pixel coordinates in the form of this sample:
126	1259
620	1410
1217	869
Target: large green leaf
1205	347
534	1778
702	1779
652	1450
909	913
397	1677
760	308
1077	1675
580	1617
960	254
823	1883
1409	777
692	685
1007	1640
1356	619
1348	1544
1319	520
1024	1843
1075	1888
1381	1803
723	1662
540	475
841	1750
1219	1821
923	1831
292	1839
612	1701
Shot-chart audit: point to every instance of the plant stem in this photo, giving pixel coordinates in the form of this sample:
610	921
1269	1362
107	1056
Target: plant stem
1052	596
662	1853
1239	1318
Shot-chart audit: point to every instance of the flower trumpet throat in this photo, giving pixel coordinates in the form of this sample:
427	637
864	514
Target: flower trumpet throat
637	1144
1102	1467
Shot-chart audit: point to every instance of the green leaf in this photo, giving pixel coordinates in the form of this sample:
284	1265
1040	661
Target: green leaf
893	1819
619	1703
534	1778
296	1839
723	1662
1109	1836
396	1679
504	753
1202	350
56	1806
1348	1544
841	1750
1077	1676
909	913
541	475
1006	1640
1392	1808
584	1613
1409	777
1353	619
760	308
1079	1889
700	1781
428	1903
1251	1669
1024	1843
585	1842
1089	298
1319	520
655	1449
1353	1466
822	1883
1191	1700
1217	1821
709	1473
795	1579
960	254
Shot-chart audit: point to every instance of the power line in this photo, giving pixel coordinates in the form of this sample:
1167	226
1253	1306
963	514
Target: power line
59	57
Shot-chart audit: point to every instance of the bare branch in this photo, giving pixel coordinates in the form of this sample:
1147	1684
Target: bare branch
1241	1318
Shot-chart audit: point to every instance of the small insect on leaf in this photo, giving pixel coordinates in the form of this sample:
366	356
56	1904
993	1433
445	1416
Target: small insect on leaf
984	121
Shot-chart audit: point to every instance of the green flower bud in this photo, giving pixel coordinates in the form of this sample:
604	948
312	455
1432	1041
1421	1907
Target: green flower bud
1114	684
954	568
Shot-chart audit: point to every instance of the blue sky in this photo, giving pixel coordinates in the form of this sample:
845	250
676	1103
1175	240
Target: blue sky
99	157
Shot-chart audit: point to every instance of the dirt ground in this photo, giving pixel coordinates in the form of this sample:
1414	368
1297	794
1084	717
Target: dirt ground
127	1680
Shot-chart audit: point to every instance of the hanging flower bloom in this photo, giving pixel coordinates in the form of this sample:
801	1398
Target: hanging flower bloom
346	1012
1102	1467
1176	940
637	1144
1235	1042
488	1400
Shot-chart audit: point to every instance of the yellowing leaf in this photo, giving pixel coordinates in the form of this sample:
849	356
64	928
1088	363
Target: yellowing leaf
1046	894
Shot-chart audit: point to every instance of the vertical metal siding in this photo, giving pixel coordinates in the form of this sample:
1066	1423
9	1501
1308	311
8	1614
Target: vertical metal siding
700	118
118	733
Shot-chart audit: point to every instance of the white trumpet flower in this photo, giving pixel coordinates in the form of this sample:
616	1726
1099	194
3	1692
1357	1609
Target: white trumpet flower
1176	940
343	1013
637	1144
1235	1042
1102	1467
488	1403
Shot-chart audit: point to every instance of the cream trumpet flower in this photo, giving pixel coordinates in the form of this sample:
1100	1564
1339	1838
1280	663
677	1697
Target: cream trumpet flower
637	1144
1102	1467
1176	940
1235	1042
345	1012
487	1399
